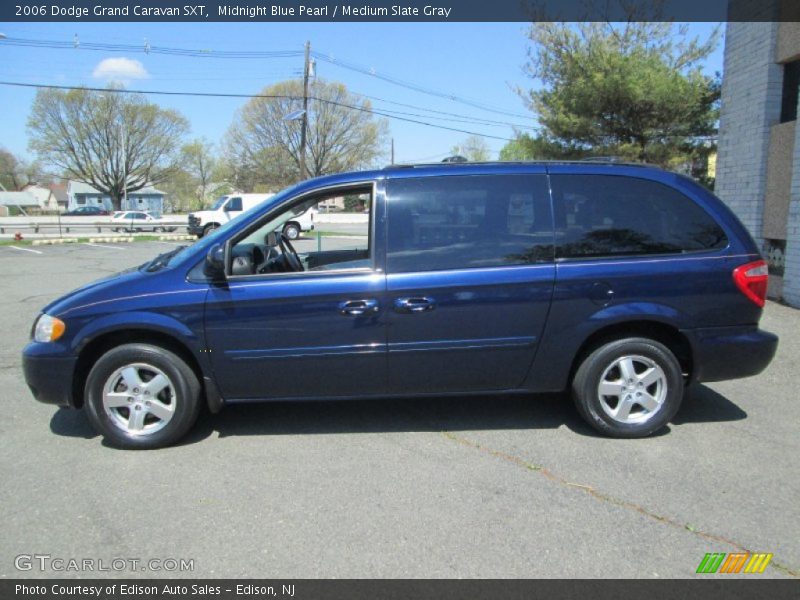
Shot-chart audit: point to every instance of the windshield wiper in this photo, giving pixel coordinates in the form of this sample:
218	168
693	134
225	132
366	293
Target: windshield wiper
162	260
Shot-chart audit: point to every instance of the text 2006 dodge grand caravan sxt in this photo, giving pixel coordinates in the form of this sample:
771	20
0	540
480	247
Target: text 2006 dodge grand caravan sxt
620	283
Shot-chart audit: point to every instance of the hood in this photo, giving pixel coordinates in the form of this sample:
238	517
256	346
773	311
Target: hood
100	288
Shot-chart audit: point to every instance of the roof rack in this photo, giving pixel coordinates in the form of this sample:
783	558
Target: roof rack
606	160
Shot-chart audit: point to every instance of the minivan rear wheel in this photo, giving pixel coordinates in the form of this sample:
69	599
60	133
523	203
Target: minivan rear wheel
628	388
142	396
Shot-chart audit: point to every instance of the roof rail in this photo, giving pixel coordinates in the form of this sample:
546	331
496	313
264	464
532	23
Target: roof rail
606	160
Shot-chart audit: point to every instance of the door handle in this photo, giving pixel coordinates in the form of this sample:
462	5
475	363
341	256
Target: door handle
414	304
354	308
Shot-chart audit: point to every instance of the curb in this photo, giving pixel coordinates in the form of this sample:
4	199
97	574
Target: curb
54	242
111	240
169	238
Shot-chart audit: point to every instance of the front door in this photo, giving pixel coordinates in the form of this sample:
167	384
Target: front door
470	276
279	330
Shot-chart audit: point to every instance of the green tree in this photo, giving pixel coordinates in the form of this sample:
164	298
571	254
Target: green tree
632	89
539	147
109	140
342	135
200	179
16	173
474	149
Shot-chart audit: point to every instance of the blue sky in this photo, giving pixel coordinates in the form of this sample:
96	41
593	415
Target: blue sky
479	61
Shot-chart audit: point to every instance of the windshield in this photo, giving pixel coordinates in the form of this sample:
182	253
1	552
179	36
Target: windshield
218	203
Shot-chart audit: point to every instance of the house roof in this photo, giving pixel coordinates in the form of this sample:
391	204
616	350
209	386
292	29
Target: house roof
18	199
78	187
59	191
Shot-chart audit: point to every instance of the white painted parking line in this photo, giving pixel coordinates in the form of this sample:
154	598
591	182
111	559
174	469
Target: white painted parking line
102	246
26	250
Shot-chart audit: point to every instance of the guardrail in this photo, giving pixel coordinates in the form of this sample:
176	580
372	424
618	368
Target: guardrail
82	224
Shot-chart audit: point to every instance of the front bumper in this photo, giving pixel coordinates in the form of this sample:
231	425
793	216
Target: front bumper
194	229
723	353
49	377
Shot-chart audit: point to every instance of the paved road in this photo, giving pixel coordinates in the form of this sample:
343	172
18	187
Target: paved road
485	487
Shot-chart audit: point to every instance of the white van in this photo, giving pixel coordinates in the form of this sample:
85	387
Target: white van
229	207
223	210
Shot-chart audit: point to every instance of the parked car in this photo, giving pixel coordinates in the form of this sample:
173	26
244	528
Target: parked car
133	221
621	284
86	211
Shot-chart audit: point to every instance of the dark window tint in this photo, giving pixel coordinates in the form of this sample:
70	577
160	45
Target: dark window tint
234	205
456	222
598	215
791	90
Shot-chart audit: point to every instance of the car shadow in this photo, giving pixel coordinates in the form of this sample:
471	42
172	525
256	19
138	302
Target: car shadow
544	411
72	423
705	405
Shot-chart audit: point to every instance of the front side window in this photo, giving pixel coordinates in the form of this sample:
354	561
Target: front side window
235	205
295	241
607	215
460	222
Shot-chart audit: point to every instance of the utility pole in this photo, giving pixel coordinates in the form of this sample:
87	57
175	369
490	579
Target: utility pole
392	152
124	169
304	126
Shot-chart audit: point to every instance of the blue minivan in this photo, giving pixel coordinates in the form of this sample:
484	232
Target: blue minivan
619	283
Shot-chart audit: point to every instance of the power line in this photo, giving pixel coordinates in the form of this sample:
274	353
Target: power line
147	48
412	86
451	116
263	54
265	96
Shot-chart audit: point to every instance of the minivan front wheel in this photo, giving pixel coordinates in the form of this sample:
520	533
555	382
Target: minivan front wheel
142	396
628	388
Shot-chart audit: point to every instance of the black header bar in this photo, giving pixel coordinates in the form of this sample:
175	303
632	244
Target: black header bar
396	10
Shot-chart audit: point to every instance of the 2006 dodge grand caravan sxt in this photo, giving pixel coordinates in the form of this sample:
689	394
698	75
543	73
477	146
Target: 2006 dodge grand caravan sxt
621	283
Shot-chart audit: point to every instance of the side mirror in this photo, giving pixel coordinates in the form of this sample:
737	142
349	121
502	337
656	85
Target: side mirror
214	267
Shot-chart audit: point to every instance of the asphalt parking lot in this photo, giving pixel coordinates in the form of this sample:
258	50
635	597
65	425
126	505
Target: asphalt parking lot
479	487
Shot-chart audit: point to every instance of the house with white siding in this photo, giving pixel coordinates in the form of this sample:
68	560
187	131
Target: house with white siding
147	199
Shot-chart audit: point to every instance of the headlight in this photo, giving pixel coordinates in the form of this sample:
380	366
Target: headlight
48	329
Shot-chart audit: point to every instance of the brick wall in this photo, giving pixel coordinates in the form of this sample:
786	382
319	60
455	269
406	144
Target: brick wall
751	97
791	276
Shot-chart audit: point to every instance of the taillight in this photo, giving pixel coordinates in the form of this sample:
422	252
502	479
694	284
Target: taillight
751	279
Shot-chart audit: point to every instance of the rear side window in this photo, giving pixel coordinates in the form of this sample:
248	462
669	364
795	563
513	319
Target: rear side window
602	215
458	222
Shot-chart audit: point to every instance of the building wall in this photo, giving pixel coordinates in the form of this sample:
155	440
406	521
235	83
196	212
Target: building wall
791	277
759	157
751	95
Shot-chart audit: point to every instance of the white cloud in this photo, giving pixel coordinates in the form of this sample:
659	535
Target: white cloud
120	69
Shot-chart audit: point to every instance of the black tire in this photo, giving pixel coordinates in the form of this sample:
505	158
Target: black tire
182	395
605	364
291	231
209	228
